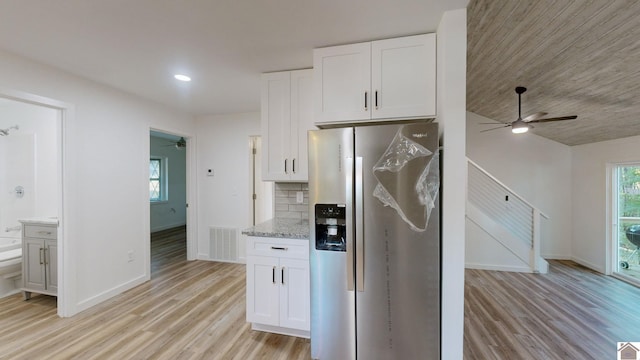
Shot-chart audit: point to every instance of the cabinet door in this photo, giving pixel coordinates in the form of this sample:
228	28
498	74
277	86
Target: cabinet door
301	121
51	265
263	286
276	125
342	78
294	294
33	268
403	77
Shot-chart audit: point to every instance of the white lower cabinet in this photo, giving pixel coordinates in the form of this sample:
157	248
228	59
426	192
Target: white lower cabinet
278	285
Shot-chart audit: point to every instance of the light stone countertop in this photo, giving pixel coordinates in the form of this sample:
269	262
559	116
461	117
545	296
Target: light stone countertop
280	228
40	220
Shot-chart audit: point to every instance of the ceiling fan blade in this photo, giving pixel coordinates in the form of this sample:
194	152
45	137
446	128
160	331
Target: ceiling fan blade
493	123
496	128
535	116
572	117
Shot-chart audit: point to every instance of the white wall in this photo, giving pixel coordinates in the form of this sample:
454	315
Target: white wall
106	146
223	146
173	211
452	55
536	168
590	193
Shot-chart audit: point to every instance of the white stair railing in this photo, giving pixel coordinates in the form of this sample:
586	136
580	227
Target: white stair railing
509	211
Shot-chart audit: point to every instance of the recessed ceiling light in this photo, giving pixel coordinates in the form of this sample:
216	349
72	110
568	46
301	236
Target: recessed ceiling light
182	77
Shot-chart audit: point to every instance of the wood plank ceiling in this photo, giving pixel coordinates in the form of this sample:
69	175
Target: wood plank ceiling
574	57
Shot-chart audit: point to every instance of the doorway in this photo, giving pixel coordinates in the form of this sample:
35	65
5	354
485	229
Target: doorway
35	150
626	221
168	204
261	192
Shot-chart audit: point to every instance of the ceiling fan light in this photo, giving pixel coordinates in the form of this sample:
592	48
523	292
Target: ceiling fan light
519	127
182	77
520	130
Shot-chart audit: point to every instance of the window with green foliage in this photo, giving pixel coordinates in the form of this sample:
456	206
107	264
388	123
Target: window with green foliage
629	189
155	180
628	201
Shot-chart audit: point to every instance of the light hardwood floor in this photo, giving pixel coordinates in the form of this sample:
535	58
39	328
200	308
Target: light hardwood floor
189	310
196	310
569	313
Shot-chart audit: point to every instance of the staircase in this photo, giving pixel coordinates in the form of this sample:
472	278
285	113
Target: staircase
503	229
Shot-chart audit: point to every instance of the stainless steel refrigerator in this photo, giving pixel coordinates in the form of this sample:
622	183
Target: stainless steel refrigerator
375	242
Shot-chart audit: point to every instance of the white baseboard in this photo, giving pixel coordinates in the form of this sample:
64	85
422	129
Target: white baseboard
588	264
167	226
106	295
497	267
555	257
281	330
205	257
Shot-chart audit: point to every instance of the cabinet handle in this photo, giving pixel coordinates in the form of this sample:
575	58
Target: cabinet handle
41	253
285	166
46	256
282	274
376	98
273	275
279	248
366	95
44	232
294	165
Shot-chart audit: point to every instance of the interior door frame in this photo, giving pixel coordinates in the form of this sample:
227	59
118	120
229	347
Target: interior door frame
191	189
66	267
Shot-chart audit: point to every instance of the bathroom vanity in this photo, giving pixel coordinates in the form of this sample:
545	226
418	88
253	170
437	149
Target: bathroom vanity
39	256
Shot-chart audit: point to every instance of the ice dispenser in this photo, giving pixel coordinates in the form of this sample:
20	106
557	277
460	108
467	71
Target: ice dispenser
330	227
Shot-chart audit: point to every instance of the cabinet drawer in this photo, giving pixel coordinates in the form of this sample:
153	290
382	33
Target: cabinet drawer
278	247
40	232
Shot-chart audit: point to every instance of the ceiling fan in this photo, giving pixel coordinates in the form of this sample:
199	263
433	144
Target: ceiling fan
523	125
179	144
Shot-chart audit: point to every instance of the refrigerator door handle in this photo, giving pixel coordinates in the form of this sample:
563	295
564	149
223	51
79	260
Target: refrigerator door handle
348	165
359	214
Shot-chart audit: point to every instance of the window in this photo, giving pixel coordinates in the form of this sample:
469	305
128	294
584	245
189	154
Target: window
626	236
156	181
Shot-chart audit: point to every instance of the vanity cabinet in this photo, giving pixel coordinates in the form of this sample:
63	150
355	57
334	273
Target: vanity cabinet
278	289
385	79
286	116
39	259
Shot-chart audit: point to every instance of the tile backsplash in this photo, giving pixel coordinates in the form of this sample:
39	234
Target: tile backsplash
286	206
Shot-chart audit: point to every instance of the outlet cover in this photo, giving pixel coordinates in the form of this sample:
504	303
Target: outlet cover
299	197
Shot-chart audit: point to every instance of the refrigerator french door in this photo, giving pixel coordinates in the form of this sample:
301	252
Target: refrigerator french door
375	242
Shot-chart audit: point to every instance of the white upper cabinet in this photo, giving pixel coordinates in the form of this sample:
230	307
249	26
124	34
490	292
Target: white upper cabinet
342	82
301	122
385	79
403	77
286	116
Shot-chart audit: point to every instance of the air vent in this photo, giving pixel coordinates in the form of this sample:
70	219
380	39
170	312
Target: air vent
223	244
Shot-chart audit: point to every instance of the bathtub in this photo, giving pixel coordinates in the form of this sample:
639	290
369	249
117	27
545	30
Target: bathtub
10	265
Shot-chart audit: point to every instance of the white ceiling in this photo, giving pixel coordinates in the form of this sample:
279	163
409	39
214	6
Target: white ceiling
224	45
